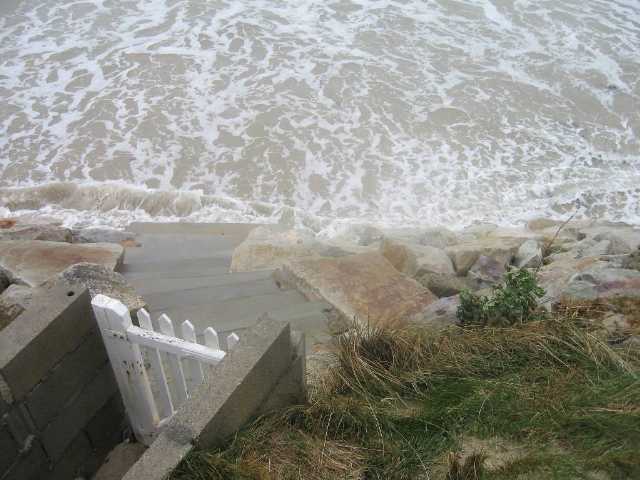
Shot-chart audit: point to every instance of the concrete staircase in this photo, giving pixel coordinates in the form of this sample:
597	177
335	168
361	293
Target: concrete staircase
183	270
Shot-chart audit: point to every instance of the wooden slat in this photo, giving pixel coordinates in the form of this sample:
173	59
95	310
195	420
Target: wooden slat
175	365
211	339
232	341
192	367
165	405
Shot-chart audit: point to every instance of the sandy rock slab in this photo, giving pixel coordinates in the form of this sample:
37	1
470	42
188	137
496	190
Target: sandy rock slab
32	263
365	287
50	233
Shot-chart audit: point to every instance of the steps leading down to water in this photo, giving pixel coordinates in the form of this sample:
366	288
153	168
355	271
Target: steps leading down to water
183	270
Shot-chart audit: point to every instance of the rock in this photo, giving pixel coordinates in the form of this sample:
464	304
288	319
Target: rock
416	259
269	247
19	295
33	262
464	255
598	283
101	280
50	233
8	312
529	255
616	323
365	287
441	313
488	270
631	261
360	235
438	238
7	222
538	224
621	242
101	235
444	285
555	276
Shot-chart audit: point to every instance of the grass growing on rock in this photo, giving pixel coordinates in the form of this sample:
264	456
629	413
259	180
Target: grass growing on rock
547	399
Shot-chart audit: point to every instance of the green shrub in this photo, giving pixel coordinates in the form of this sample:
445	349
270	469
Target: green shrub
513	301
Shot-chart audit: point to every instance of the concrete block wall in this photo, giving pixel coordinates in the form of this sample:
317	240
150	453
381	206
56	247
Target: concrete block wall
265	371
60	409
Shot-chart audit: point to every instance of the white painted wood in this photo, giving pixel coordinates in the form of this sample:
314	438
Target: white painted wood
232	341
128	366
192	367
211	338
164	403
175	365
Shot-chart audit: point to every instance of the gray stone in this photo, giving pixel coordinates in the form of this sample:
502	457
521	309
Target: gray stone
8	312
616	323
68	378
101	280
70	421
363	287
488	270
602	283
554	277
464	255
442	313
34	262
529	255
20	295
102	235
50	233
625	239
412	259
54	325
359	235
438	237
443	285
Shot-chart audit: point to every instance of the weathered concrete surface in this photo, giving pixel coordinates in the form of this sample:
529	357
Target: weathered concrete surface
33	262
119	461
364	287
101	280
51	233
412	259
267	248
247	379
55	323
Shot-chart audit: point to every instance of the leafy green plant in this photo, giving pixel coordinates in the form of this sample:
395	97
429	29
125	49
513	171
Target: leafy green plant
513	301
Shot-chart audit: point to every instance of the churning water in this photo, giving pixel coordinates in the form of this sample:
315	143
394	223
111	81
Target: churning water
396	112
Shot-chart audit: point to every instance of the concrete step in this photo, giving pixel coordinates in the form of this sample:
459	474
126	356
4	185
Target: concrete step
232	230
152	283
176	268
159	247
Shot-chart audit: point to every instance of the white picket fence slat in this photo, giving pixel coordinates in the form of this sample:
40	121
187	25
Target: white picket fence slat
184	358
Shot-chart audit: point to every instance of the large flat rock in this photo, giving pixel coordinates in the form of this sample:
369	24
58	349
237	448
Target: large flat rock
365	287
34	262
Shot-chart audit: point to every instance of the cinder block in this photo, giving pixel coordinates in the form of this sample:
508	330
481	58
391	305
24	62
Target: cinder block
239	385
72	460
53	325
9	450
106	427
19	424
64	428
31	465
69	376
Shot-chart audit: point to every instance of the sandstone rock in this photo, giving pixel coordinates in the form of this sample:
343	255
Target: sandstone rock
441	313
438	237
416	259
616	323
33	262
602	283
365	287
555	277
488	270
529	255
269	247
7	222
625	238
444	285
464	255
19	295
360	235
101	280
8	312
537	224
51	233
101	235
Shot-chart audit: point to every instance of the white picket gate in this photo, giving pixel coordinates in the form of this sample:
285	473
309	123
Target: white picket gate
182	359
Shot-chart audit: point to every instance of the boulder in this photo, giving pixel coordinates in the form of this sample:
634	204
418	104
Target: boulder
8	312
100	280
361	235
50	233
269	247
441	313
364	287
622	241
446	285
598	283
19	295
488	270
102	235
529	255
416	259
555	276
464	255
32	262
